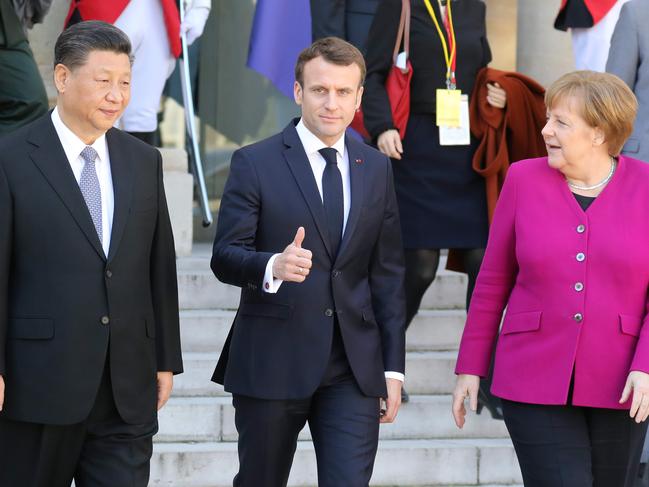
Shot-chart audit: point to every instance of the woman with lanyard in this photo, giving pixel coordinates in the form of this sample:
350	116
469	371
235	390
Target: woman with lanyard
442	201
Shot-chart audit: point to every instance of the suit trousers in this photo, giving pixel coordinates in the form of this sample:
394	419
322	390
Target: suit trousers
102	451
572	446
344	426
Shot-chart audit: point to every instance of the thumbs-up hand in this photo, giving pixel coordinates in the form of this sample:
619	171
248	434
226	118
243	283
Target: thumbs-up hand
294	263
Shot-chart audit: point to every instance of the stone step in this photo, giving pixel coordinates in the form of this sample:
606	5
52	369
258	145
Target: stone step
199	289
206	330
426	373
212	419
458	462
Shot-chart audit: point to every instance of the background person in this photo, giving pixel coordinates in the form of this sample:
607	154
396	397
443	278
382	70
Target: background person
22	93
442	201
568	258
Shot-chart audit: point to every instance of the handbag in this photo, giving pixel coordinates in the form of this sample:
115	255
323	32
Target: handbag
397	83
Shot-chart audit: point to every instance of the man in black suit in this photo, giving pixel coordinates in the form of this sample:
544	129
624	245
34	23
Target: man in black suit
319	335
89	335
348	19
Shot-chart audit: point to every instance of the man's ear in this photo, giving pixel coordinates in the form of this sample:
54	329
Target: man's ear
297	92
359	97
61	77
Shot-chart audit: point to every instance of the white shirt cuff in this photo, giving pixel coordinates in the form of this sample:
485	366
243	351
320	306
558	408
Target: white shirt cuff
395	375
271	285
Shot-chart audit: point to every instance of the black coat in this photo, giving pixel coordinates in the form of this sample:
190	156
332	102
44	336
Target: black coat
62	301
279	344
426	56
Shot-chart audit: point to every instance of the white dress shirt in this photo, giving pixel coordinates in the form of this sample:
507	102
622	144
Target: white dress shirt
312	144
73	145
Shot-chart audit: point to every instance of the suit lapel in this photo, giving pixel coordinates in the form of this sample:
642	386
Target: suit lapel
356	176
298	163
122	174
51	160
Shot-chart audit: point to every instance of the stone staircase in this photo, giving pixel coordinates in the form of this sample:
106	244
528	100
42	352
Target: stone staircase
196	445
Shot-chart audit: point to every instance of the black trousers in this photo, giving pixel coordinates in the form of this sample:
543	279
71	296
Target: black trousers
571	446
102	451
344	426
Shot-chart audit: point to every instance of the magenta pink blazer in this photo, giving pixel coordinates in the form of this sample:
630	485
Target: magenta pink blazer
574	284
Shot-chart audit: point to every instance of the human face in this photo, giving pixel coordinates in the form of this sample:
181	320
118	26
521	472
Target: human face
330	96
571	143
93	96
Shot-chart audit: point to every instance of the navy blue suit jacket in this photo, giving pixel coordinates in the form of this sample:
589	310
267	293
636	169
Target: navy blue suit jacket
279	344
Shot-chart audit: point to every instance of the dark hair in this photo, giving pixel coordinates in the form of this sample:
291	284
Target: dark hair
333	50
75	43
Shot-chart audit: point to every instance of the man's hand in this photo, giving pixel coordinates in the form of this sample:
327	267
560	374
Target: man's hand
638	382
165	384
389	142
466	385
2	392
393	401
294	263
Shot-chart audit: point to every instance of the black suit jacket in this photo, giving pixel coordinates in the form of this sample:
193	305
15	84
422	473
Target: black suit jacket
279	344
347	19
63	303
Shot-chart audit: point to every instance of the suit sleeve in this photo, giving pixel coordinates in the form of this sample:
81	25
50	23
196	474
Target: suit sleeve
164	285
623	55
235	259
493	285
6	238
386	277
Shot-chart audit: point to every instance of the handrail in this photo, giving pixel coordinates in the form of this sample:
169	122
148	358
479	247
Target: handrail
188	101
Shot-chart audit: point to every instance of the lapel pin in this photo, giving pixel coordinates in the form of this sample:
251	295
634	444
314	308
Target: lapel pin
359	161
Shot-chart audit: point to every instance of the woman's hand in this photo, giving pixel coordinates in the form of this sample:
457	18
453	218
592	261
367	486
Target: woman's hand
638	382
389	142
496	96
466	385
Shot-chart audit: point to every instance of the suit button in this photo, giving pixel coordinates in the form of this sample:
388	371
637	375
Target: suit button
581	228
105	320
109	273
580	257
578	317
329	312
335	273
579	286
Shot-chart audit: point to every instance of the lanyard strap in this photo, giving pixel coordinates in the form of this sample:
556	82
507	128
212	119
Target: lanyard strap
449	57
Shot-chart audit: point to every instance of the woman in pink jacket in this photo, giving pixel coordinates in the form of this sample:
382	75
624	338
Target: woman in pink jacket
568	256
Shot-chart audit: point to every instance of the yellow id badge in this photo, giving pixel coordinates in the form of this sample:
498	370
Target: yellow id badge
448	108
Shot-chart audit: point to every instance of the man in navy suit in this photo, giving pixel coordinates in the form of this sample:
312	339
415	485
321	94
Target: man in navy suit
309	229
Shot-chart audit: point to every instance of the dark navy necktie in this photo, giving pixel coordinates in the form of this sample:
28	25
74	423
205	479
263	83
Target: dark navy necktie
332	197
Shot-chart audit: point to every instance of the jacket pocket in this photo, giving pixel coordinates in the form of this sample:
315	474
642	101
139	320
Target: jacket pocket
368	315
30	328
521	322
267	310
630	325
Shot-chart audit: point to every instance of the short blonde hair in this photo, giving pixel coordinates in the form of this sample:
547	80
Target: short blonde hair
607	103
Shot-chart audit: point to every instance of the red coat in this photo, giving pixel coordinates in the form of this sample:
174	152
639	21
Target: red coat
597	8
109	11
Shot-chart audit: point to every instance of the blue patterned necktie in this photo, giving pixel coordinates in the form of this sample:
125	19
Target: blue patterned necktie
90	189
332	196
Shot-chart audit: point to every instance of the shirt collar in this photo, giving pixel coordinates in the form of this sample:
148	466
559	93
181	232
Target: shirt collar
313	144
72	144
